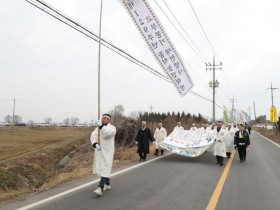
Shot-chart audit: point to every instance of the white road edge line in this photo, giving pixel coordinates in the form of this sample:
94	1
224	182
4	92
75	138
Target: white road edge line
268	139
86	185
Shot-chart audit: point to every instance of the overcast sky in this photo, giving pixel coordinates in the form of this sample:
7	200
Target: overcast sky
51	69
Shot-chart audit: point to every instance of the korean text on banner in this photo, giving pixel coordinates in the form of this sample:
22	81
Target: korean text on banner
159	43
273	114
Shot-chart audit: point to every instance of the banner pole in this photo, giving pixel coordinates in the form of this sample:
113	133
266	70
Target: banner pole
99	63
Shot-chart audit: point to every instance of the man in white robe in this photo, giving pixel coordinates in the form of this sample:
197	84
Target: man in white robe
193	128
179	127
230	132
159	136
219	148
104	152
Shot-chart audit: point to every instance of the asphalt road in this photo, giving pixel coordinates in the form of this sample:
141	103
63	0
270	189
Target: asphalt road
176	182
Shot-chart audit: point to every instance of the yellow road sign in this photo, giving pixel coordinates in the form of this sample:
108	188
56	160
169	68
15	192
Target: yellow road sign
273	114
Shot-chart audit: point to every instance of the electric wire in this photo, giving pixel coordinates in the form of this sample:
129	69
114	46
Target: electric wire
183	29
200	56
209	42
75	25
203	29
78	27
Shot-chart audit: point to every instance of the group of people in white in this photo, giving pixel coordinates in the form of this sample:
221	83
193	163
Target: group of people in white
226	138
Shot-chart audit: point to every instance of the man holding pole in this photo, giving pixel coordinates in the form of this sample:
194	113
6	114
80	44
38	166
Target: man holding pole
104	152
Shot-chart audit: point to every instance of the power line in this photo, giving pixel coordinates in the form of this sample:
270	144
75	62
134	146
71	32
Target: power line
78	27
200	56
184	30
203	30
87	32
208	40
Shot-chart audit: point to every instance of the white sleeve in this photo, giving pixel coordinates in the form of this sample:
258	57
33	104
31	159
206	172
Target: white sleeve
108	132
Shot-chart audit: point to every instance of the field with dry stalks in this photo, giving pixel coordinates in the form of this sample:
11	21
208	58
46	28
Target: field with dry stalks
34	159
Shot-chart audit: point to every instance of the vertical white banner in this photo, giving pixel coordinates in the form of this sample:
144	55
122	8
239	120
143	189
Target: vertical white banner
159	43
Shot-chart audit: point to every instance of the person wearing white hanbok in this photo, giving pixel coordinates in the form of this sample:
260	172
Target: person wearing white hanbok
179	127
230	131
104	152
193	128
219	148
159	136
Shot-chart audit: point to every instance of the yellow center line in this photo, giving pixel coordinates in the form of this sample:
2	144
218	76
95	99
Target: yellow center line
218	190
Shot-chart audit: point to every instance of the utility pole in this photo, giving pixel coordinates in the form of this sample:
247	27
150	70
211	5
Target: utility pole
272	89
249	112
233	100
254	110
151	108
14	111
214	83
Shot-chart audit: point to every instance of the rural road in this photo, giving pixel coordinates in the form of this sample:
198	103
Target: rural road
176	182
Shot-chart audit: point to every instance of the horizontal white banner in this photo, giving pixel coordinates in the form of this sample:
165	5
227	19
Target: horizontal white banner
189	139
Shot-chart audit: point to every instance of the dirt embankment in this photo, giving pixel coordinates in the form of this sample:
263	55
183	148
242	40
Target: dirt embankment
273	135
52	165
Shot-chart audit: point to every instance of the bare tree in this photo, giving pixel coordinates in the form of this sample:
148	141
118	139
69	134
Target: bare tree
17	119
74	121
66	121
48	120
134	115
8	119
117	114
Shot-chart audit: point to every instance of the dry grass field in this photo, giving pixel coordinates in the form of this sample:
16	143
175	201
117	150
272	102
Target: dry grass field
269	134
30	158
19	140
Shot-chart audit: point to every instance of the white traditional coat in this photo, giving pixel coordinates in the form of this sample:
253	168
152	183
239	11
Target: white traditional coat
103	159
159	136
230	139
219	148
178	128
193	128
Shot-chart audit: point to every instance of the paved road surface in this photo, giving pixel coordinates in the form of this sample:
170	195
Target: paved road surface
177	182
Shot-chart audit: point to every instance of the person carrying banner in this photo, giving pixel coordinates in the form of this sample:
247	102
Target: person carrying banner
219	148
104	152
142	140
159	136
193	128
241	142
179	127
230	132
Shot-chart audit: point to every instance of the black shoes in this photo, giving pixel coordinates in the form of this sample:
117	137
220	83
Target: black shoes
156	152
